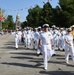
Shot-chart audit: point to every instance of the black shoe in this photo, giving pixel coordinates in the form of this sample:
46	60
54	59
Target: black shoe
16	48
58	49
39	54
63	50
45	68
53	55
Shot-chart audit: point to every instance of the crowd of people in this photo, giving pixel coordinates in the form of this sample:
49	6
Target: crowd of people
46	40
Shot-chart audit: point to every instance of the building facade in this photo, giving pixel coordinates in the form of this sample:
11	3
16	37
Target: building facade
18	23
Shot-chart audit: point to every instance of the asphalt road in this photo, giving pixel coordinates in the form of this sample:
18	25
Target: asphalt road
25	61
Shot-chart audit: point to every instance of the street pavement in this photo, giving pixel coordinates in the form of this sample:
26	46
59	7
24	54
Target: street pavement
25	61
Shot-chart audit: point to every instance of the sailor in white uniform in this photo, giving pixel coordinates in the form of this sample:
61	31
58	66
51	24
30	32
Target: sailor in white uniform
62	39
28	39
36	38
20	36
69	49
16	38
46	43
39	50
55	35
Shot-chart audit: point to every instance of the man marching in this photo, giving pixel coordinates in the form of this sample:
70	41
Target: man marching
69	49
46	43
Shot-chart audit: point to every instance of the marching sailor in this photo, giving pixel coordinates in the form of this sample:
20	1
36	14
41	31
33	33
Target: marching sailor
46	43
16	38
69	46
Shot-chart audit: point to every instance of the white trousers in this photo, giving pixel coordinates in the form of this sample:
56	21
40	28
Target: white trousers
55	44
69	50
28	43
36	44
16	42
46	51
19	40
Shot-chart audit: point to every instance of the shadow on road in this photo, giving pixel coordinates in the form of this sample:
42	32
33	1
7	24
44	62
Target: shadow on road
24	53
60	72
61	63
23	65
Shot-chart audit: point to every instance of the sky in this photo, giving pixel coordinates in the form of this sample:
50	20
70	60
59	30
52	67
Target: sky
14	7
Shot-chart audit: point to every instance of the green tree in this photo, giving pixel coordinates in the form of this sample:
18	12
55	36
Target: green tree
47	14
56	14
33	16
5	24
61	18
67	7
24	24
10	21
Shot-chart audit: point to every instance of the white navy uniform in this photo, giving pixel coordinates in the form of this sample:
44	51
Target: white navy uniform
36	39
32	38
55	39
20	36
69	47
45	38
62	37
28	39
16	38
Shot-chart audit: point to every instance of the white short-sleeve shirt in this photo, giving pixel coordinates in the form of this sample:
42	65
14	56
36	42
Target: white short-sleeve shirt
45	37
69	38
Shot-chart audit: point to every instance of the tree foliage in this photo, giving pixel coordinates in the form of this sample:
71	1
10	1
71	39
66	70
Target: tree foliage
11	24
8	23
67	7
24	24
47	14
5	24
33	16
62	15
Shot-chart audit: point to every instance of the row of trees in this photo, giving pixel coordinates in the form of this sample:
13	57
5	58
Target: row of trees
62	15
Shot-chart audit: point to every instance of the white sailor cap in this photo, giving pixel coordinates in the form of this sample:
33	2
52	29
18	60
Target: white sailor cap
69	29
72	26
57	28
39	27
45	25
36	28
61	28
54	26
27	28
17	29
